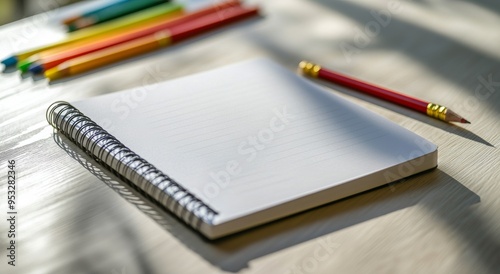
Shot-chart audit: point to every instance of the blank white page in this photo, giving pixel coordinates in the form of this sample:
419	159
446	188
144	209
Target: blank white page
252	135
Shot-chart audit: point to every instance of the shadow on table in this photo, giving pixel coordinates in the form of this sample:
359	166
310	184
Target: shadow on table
452	128
449	58
436	191
454	61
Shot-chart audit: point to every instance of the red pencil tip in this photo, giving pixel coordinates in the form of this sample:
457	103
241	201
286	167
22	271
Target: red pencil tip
464	121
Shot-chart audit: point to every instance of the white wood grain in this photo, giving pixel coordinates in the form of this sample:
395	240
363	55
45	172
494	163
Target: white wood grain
444	221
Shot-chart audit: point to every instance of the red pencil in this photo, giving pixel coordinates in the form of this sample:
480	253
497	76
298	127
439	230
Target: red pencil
45	62
431	109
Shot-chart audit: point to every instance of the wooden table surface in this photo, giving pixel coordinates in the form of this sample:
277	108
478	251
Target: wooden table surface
73	217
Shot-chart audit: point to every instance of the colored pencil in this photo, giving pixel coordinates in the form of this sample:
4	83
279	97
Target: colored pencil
430	109
73	18
111	12
47	60
160	12
149	43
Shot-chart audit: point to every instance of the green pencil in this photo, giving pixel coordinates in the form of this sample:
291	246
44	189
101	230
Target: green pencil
111	12
71	19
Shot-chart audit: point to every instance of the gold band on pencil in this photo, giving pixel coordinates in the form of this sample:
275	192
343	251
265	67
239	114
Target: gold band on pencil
310	68
437	111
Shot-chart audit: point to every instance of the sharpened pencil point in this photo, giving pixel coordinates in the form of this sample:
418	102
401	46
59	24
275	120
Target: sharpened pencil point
53	74
464	121
24	65
11	61
36	68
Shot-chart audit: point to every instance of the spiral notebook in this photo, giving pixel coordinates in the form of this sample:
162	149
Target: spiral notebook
241	145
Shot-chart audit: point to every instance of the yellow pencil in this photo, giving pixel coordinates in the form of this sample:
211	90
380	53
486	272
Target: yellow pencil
107	56
160	12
